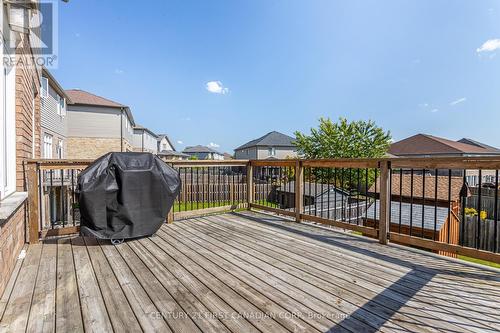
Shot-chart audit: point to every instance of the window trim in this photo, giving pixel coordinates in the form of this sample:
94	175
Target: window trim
7	132
45	91
48	140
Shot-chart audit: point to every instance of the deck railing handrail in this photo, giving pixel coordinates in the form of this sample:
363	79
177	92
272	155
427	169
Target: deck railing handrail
295	170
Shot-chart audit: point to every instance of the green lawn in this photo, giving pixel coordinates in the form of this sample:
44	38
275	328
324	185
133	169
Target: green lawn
186	206
479	261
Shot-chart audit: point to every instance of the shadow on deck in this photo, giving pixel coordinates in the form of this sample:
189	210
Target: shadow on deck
244	272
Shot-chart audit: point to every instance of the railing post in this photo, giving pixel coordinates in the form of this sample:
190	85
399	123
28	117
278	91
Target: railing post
299	190
33	203
385	201
249	184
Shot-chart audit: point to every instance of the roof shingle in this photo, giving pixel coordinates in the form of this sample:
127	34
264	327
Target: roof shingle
423	144
83	97
275	139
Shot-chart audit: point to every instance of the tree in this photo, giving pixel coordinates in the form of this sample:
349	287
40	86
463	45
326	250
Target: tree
343	139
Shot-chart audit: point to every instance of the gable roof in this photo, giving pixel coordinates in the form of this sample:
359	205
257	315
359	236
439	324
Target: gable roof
275	139
55	85
423	144
478	144
418	186
200	149
161	136
84	97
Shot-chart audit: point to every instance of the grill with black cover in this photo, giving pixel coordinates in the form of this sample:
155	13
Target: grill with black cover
126	195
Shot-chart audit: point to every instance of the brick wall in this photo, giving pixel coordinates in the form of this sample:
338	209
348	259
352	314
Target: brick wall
11	243
27	89
28	132
92	148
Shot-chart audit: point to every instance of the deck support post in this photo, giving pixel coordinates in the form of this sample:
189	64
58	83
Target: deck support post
249	184
299	190
385	201
33	202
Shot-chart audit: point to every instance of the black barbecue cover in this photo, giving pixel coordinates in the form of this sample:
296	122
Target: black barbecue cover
126	195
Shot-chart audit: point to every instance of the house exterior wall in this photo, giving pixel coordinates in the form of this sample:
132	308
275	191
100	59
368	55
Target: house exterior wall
280	153
95	130
144	141
261	153
28	127
94	122
12	237
23	82
246	154
92	148
50	119
164	145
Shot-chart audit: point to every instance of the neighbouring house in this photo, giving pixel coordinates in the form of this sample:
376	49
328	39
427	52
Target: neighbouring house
97	125
168	155
145	140
228	156
53	117
203	153
54	127
164	143
167	151
272	145
423	145
20	132
415	202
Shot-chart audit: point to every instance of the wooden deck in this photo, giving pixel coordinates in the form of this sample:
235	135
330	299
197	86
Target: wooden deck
245	272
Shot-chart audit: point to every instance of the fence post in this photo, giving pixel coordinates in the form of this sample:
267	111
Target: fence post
249	184
385	201
33	203
299	190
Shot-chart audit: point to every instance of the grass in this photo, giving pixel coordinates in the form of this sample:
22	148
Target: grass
479	261
187	206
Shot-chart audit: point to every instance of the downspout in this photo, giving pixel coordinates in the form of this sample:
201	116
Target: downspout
142	141
121	130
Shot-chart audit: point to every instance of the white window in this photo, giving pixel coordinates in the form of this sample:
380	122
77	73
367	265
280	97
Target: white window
45	87
47	146
61	106
271	151
60	149
7	132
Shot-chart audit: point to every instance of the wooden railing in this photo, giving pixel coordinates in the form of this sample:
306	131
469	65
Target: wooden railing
422	202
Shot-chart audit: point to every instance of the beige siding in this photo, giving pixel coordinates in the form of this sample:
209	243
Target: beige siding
281	153
246	154
95	122
50	120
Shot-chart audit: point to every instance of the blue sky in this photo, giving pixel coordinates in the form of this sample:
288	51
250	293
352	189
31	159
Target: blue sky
411	66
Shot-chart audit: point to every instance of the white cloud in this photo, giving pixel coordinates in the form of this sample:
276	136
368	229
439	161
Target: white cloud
423	105
458	101
119	71
213	145
489	46
180	142
186	119
216	87
434	110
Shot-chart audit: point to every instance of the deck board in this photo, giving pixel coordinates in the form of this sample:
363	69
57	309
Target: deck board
245	272
354	278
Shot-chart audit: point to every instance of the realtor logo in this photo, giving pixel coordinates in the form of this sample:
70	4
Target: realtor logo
38	23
